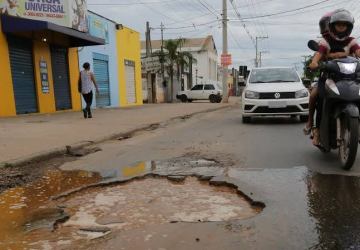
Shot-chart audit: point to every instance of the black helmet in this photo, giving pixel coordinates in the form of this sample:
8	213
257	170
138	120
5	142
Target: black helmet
324	23
341	16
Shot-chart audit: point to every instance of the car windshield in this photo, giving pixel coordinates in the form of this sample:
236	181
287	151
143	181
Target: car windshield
273	75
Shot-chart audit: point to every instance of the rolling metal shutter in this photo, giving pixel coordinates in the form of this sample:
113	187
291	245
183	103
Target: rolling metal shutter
22	70
130	81
101	72
60	71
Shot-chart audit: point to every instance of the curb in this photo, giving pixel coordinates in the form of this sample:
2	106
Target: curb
45	155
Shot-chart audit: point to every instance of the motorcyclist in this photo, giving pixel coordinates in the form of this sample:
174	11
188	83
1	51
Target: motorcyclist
336	43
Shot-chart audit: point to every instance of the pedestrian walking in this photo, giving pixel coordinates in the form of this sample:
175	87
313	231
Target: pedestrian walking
86	85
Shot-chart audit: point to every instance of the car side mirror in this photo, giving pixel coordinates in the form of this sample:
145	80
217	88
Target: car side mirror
307	83
313	45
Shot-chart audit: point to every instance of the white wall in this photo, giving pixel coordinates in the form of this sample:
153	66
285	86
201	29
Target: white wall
86	55
206	66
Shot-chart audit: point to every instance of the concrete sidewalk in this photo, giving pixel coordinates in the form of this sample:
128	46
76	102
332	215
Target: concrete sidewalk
30	137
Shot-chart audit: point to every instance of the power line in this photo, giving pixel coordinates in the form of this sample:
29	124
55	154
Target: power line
190	26
286	11
131	4
157	11
206	7
192	18
243	24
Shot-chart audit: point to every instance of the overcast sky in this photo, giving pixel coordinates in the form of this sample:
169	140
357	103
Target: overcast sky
288	32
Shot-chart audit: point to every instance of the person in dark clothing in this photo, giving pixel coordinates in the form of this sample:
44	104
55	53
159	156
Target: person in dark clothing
87	84
337	43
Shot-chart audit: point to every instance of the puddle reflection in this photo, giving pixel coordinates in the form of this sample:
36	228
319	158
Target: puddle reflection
19	207
334	201
27	208
127	172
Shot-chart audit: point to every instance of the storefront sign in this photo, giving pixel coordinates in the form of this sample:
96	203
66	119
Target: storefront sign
226	60
44	76
69	13
98	27
150	64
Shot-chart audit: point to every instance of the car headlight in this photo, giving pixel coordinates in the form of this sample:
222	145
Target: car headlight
301	93
252	95
347	68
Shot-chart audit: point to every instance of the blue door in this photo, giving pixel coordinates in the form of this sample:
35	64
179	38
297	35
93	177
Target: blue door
22	70
60	69
101	73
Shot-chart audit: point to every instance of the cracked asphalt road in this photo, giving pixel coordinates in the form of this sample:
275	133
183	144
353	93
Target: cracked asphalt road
310	202
267	143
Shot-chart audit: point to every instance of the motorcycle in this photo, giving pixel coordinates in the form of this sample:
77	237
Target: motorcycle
339	120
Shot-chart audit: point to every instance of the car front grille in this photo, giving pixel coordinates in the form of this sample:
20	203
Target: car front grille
275	95
288	109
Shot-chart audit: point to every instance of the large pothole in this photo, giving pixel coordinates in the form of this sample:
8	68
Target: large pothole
31	220
157	200
146	203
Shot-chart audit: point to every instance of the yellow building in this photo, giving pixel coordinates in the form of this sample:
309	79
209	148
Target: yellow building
40	66
128	55
39	63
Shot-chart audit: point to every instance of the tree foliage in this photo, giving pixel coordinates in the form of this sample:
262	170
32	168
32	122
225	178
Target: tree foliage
310	74
175	59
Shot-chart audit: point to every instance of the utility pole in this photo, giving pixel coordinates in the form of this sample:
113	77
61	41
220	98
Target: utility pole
162	53
168	88
261	53
225	52
148	55
257	50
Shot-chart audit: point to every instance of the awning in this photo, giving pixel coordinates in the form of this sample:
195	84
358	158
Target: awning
49	32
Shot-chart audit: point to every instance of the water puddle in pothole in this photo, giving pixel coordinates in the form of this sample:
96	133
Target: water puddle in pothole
36	217
143	203
27	208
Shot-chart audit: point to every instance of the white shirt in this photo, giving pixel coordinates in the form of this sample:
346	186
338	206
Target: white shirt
86	82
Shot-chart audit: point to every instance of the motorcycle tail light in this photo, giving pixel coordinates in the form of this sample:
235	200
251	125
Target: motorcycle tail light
347	68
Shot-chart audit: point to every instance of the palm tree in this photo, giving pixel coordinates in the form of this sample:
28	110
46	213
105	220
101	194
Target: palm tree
173	56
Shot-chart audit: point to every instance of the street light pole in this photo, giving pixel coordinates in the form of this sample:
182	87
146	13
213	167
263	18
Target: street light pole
225	52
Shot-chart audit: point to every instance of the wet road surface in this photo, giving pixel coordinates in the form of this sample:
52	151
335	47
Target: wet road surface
310	203
304	210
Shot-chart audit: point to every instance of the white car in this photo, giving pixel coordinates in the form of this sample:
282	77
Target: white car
210	92
275	92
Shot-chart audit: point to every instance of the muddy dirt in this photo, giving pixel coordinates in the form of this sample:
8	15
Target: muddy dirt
31	220
11	177
17	176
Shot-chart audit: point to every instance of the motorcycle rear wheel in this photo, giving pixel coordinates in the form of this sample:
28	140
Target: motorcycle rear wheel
349	141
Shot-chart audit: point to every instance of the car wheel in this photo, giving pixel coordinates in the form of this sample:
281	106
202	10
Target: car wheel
246	119
213	98
219	100
184	98
304	118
